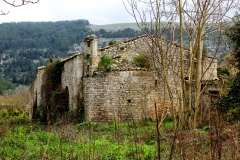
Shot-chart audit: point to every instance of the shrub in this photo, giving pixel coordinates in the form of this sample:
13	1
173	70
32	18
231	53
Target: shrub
122	48
110	43
88	56
5	85
223	71
142	60
105	63
230	103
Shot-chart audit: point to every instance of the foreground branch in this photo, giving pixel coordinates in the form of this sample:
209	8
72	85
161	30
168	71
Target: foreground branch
4	13
24	2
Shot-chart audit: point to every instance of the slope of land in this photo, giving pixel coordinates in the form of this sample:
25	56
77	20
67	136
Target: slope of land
24	46
115	27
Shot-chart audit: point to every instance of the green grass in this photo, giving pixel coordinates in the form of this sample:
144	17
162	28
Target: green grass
102	141
93	141
13	116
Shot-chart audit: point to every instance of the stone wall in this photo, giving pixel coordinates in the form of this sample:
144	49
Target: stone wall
210	68
35	92
127	92
124	96
71	78
127	50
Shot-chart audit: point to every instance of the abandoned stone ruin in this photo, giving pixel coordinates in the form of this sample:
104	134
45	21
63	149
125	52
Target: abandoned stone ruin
121	90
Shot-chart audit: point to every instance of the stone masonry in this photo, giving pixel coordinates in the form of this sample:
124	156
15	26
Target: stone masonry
126	92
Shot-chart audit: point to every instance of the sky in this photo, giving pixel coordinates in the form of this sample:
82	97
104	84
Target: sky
98	12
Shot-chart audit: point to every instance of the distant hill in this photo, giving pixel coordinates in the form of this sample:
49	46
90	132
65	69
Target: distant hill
115	27
24	46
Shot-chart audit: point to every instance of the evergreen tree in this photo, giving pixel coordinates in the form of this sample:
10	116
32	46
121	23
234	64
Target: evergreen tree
230	103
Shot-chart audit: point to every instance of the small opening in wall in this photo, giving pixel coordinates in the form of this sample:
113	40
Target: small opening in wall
214	96
214	92
156	82
129	100
121	85
88	43
87	67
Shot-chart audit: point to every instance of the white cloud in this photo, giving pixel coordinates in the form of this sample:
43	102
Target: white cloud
96	11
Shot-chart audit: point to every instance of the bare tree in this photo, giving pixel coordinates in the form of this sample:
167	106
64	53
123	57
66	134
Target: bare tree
193	19
201	17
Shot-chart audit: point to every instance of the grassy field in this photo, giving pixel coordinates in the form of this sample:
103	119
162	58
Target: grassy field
20	139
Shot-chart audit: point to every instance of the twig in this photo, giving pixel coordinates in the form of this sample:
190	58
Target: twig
158	133
24	2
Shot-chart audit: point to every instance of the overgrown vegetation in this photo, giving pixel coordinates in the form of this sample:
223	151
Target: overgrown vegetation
5	85
88	56
142	60
114	140
17	99
230	103
13	116
68	139
55	98
105	63
222	71
111	43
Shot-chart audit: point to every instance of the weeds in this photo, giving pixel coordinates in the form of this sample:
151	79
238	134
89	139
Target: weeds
115	140
105	63
142	60
112	42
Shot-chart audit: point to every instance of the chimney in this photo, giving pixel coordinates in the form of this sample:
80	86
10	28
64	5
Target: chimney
90	53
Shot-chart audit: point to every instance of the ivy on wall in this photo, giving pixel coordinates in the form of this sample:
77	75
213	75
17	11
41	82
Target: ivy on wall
55	100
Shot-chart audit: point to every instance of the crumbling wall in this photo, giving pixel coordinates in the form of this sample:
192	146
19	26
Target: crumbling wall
121	96
71	78
126	50
127	92
210	68
35	92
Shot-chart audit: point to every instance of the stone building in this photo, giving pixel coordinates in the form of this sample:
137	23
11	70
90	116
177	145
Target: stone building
126	91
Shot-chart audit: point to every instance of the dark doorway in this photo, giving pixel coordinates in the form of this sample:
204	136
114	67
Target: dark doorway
66	102
34	112
60	104
214	96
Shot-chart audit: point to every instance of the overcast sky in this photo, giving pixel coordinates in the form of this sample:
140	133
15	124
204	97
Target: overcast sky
96	11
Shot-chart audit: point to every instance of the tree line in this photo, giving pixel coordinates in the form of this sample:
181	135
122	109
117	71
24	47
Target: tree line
24	46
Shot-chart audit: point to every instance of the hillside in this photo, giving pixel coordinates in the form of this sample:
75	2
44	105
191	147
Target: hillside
115	27
24	46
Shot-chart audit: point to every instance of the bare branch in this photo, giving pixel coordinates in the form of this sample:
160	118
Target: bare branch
4	13
24	2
